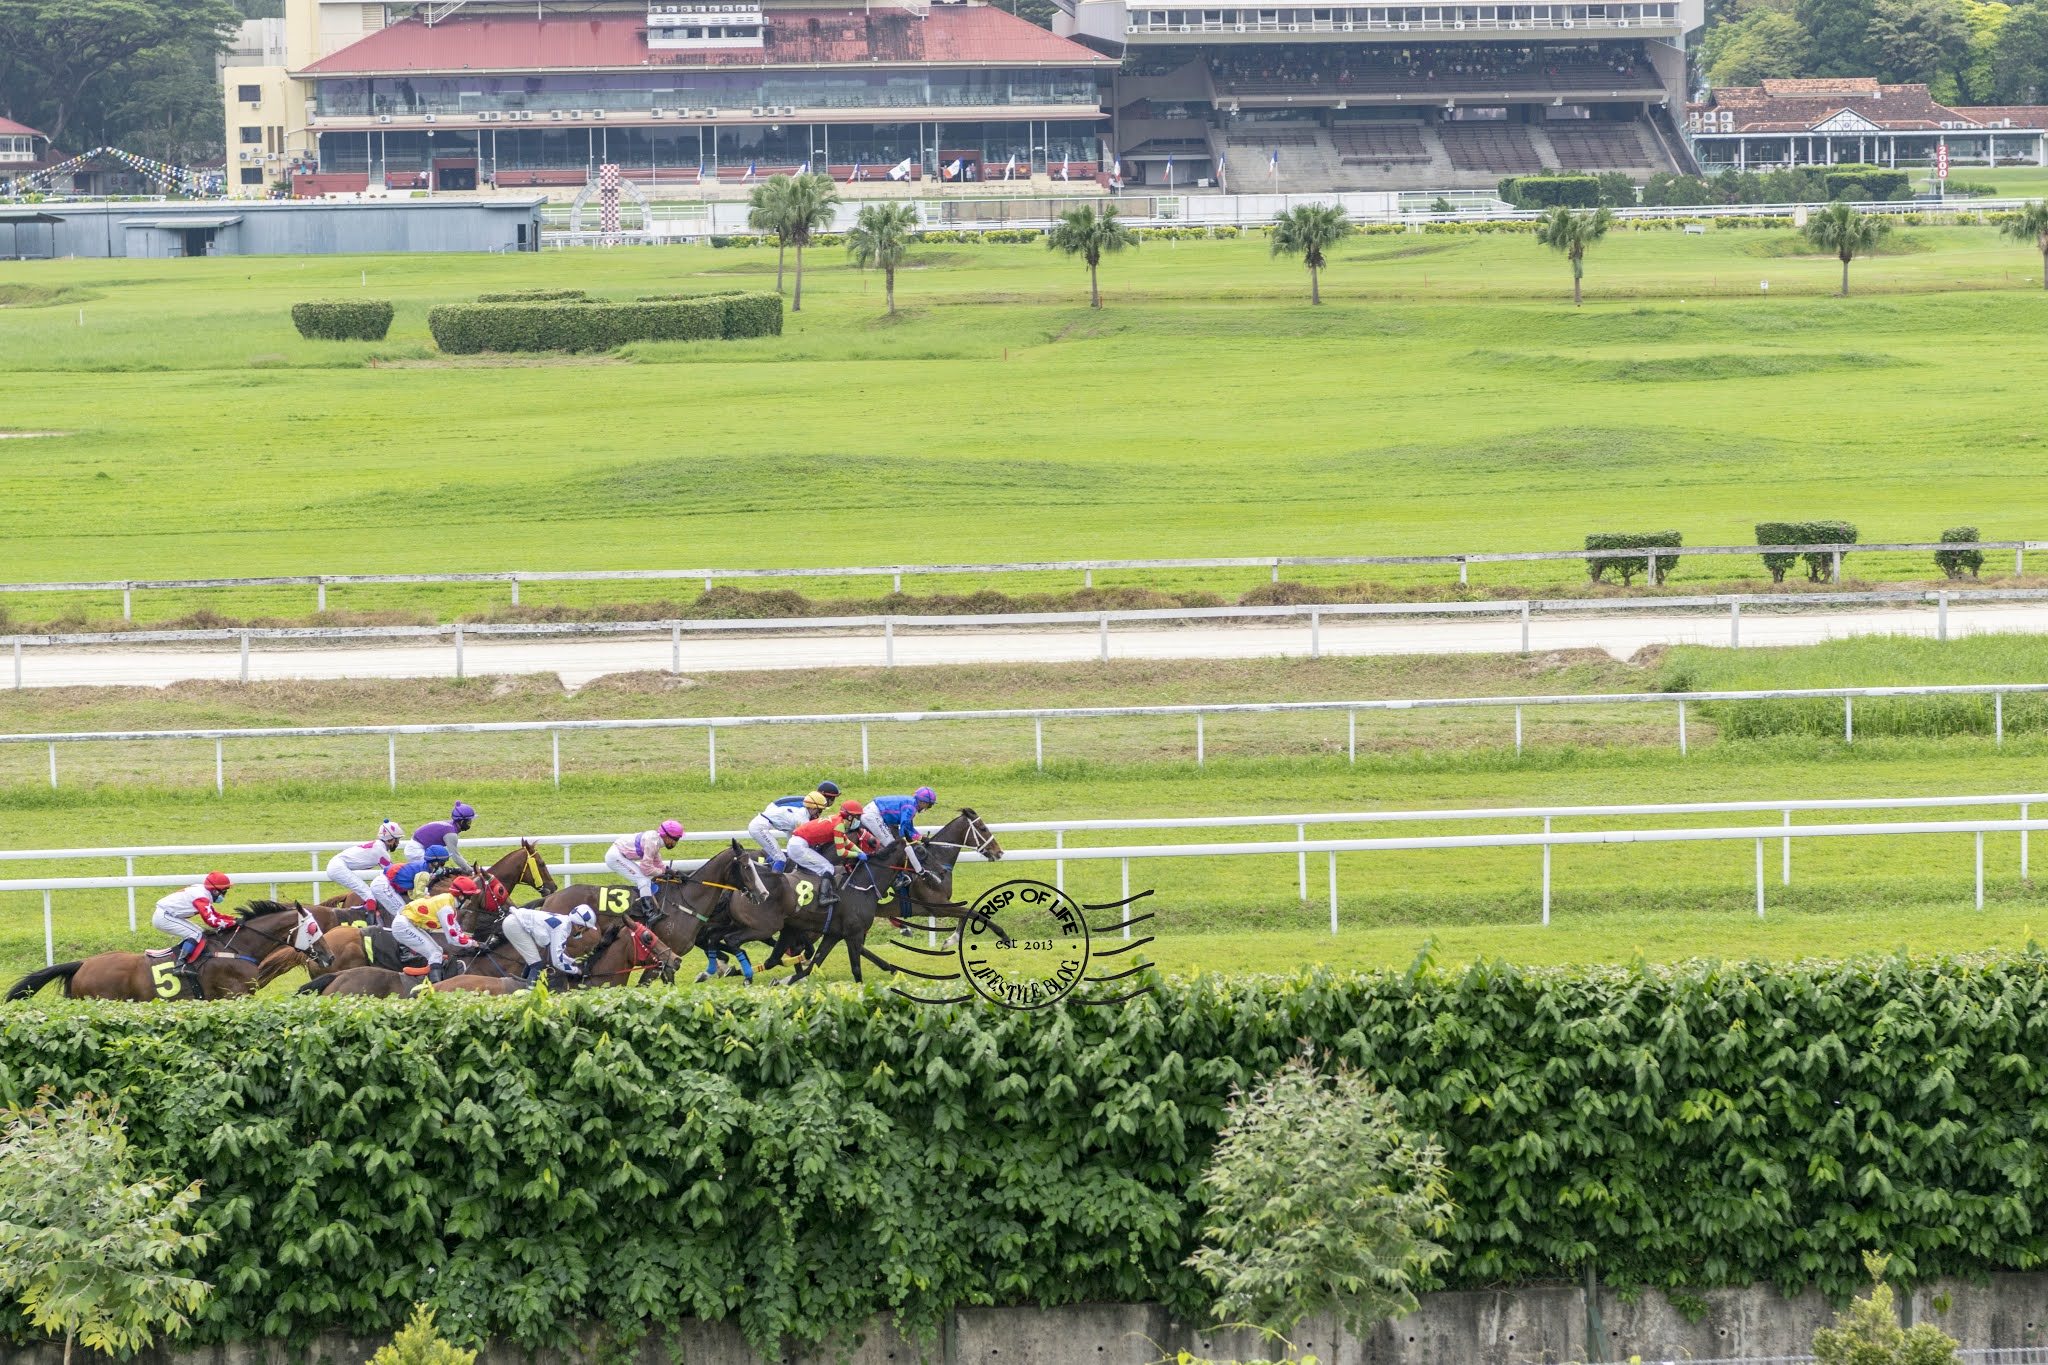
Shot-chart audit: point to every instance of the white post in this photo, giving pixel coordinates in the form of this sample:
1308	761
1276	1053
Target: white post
391	759
127	602
1848	720
17	665
555	744
53	767
2023	843
1759	879
1941	616
863	746
1105	637
49	935
1333	893
1301	837
1735	625
1315	634
1837	572
1087	578
1518	732
707	584
711	744
1059	866
321	605
245	656
220	777
1127	896
1681	730
316	876
131	895
1351	719
1276	571
896	584
1198	740
889	642
1038	741
675	651
2019	561
1786	875
458	653
1998	716
1546	875
1653	570
515	590
1525	627
566	860
1461	573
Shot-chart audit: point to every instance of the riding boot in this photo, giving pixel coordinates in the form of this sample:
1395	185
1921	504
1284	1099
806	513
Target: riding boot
534	969
437	971
647	910
778	865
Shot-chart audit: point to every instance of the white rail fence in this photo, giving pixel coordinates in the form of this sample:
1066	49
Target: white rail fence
1314	614
896	573
1199	712
206	857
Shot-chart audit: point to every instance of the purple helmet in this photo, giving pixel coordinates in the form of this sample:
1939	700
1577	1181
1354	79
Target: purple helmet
924	796
463	813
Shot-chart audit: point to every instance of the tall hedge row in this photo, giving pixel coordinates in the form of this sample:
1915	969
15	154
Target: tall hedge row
1819	563
577	324
1548	191
1628	566
343	319
799	1161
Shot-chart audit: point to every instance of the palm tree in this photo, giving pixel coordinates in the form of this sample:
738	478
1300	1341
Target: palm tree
812	196
1560	229
2030	224
768	211
881	238
1090	234
1309	232
1849	234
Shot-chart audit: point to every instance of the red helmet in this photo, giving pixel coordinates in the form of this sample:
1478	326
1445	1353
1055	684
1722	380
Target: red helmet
465	886
851	808
217	881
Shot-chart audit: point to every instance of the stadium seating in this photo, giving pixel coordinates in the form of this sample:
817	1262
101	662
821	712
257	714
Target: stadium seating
1497	148
1384	143
1601	147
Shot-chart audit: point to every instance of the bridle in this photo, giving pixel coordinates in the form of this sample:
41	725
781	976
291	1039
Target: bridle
983	840
648	951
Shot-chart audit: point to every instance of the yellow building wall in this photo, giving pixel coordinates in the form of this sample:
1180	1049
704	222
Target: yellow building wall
266	135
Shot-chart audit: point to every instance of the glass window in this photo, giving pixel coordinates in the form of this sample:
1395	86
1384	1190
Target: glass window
249	94
251	136
252	175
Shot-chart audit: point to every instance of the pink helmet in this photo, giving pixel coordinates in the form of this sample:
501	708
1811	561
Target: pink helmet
672	828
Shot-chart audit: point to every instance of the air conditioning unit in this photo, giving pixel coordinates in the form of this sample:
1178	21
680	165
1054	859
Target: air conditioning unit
710	113
555	114
654	113
426	118
575	113
760	112
524	116
245	156
597	113
383	118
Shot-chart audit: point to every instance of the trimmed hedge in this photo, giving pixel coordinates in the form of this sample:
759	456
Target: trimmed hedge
1819	564
533	296
1877	182
596	325
1629	567
343	319
1548	191
1955	563
798	1161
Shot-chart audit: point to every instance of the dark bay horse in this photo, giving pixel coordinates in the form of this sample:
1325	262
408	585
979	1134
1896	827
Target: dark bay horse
730	886
521	866
228	962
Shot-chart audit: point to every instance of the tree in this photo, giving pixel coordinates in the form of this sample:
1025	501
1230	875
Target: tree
768	211
2030	225
1918	40
87	1249
812	196
1090	234
63	57
1868	1332
1758	47
1309	231
1319	1200
881	238
1975	80
1840	33
1841	229
417	1343
1571	233
2019	61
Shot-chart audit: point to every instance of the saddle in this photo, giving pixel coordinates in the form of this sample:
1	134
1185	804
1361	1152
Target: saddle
381	949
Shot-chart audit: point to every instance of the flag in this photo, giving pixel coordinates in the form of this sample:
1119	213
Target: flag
1273	167
1010	171
750	173
805	169
901	170
1116	169
856	171
1169	172
953	171
1222	174
1066	168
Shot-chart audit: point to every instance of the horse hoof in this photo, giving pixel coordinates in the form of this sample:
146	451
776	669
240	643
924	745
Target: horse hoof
703	977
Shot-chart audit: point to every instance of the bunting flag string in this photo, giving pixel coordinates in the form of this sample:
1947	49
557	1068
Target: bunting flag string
178	179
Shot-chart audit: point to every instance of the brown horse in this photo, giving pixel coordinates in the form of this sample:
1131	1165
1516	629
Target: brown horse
729	885
628	953
228	962
521	866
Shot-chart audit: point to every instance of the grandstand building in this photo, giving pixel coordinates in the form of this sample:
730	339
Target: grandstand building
1827	122
486	94
22	149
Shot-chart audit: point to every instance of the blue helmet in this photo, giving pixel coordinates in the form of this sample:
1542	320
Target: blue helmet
437	854
829	787
924	797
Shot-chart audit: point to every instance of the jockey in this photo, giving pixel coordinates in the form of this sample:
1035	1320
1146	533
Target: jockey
779	818
447	833
538	935
406	882
348	868
888	818
175	913
638	857
414	928
841	834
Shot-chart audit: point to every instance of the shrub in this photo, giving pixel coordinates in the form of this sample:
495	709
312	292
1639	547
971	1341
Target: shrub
1863	182
686	298
532	296
343	319
1628	567
417	1343
584	325
1868	1331
1818	563
1548	191
1955	563
1973	187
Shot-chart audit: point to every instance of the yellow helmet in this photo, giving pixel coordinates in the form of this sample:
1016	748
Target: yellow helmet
816	802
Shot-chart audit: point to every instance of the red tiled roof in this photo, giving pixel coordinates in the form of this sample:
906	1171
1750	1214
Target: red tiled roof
1798	106
1814	87
2020	115
9	126
971	35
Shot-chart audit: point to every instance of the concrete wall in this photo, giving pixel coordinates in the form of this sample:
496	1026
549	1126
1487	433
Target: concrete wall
1531	1325
299	229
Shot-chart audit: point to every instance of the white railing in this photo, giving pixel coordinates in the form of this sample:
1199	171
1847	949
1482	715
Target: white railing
1061	853
896	573
1200	711
1733	603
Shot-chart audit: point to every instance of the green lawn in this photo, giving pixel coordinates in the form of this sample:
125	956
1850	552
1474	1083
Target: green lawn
1446	398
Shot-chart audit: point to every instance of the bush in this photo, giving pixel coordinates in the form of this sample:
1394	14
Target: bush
1629	567
1820	563
586	325
1955	563
1868	1332
417	1343
532	296
1863	182
343	319
1548	191
1617	189
1973	187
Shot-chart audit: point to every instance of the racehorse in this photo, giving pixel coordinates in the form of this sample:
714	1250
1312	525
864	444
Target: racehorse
627	947
730	886
521	866
228	962
869	890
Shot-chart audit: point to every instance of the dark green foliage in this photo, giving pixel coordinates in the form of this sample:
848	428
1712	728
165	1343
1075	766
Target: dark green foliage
1548	191
1617	189
1956	563
685	298
1629	567
343	319
1819	564
1876	182
797	1161
590	325
532	296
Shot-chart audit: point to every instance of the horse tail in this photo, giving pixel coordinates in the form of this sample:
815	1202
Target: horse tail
35	981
